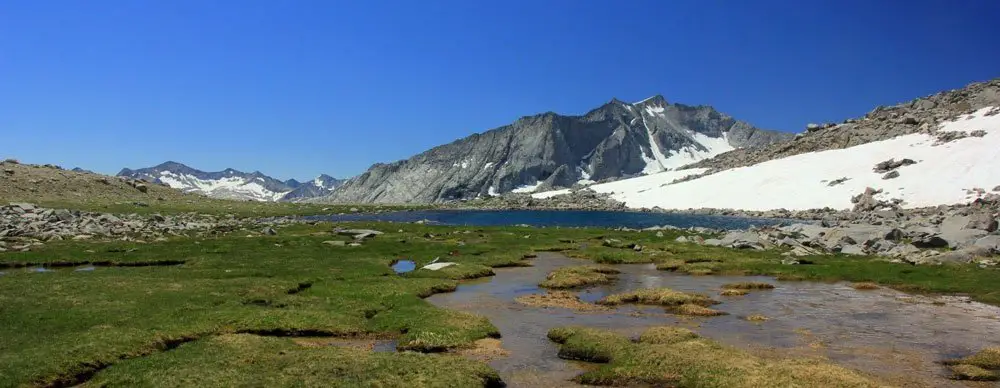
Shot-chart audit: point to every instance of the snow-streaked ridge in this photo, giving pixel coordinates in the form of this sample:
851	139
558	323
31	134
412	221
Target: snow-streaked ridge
944	174
228	187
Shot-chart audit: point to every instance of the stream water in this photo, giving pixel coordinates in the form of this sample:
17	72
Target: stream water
893	335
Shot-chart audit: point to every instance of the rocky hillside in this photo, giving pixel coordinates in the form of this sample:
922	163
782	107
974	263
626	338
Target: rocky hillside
233	184
53	185
549	150
922	115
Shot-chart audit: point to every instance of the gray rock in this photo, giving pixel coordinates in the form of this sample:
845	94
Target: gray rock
982	221
359	234
269	231
930	241
894	234
891	175
336	243
991	242
681	239
713	242
23	206
659	234
158	218
852	250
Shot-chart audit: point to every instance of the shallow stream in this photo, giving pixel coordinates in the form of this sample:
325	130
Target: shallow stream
890	334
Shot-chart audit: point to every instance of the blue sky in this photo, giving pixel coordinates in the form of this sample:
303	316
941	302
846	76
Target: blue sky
297	88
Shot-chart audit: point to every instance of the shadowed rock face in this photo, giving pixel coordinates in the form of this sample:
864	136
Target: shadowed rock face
612	141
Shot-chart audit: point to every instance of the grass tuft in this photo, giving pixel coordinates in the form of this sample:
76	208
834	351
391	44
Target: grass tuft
670	264
658	297
579	276
864	286
749	286
696	310
972	373
733	292
988	358
563	299
678	357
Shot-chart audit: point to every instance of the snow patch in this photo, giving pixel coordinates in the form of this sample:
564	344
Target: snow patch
654	110
942	175
971	122
548	194
647	99
527	188
492	191
228	187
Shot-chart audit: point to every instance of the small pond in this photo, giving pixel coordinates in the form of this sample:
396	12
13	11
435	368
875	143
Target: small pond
891	334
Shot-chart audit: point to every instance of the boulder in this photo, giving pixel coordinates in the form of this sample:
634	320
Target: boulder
359	234
930	241
713	242
681	239
336	243
891	175
982	221
991	242
852	250
268	231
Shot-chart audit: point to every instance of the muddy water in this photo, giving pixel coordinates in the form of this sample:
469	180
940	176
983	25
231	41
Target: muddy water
890	334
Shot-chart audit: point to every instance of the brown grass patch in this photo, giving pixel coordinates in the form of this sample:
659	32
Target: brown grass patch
864	286
563	299
579	276
696	310
486	349
988	358
670	265
749	286
657	296
677	357
972	373
733	292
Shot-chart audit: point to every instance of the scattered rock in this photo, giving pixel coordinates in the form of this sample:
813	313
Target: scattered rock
930	241
891	175
268	231
838	181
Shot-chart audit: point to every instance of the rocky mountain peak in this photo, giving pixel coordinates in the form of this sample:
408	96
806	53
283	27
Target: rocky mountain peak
550	150
229	183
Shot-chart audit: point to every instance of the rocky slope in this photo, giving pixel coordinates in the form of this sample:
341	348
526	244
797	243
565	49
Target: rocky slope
233	184
550	150
53	184
922	115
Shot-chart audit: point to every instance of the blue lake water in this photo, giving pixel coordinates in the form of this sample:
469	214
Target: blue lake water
563	218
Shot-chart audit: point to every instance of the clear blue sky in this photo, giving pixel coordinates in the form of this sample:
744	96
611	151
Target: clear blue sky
297	88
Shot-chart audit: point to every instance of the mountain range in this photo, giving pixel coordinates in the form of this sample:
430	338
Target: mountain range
549	150
234	184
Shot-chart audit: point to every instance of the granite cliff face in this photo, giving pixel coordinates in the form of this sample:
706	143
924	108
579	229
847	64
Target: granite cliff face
549	150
